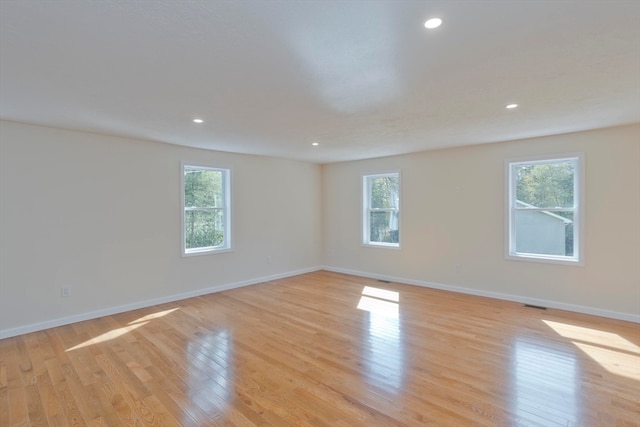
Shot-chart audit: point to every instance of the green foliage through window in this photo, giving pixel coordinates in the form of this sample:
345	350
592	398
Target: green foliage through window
205	208
382	208
543	207
548	185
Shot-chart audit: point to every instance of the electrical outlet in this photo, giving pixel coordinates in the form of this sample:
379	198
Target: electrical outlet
458	267
65	292
269	259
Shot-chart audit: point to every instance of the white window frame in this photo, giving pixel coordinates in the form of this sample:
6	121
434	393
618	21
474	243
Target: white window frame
578	209
366	210
226	197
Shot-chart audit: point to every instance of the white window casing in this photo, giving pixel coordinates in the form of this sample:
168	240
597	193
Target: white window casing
381	218
544	198
205	209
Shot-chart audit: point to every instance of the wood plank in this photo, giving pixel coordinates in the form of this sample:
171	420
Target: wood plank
50	402
70	398
300	352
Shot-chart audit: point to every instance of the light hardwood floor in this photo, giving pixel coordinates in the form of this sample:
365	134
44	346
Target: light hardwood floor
326	349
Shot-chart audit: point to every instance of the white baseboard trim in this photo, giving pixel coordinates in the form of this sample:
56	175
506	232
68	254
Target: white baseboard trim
497	295
12	332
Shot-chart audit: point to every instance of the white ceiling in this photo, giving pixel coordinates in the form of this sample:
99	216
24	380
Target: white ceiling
363	78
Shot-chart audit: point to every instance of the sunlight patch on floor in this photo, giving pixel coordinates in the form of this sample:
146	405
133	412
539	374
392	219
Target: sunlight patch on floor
118	332
381	293
373	305
616	362
380	301
611	351
384	359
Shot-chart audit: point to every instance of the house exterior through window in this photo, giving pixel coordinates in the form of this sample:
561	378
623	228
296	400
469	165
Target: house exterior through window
544	209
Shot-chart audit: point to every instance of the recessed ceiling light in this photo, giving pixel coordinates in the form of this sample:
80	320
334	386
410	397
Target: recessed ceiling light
198	121
315	144
511	106
433	23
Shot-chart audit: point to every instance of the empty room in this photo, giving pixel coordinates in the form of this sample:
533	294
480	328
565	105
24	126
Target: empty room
320	213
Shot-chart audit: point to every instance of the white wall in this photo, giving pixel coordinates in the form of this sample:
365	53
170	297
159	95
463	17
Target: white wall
101	215
442	226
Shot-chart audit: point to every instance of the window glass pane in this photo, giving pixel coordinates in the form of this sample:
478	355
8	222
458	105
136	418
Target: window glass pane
383	227
384	192
203	228
544	233
546	185
202	188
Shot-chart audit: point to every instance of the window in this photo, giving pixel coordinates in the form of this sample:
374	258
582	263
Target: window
206	205
544	209
381	210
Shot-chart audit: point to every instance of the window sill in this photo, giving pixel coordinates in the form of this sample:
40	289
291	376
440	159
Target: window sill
544	259
382	245
206	252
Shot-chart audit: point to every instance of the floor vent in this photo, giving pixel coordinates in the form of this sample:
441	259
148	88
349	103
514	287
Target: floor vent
539	307
383	281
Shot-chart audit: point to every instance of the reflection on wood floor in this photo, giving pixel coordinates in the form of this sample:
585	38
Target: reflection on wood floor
326	349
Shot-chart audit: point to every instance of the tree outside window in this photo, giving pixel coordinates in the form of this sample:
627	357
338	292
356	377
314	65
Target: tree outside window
206	209
544	211
382	209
